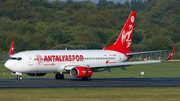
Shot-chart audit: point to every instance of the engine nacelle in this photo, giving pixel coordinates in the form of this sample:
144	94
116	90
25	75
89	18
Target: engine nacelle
80	72
36	74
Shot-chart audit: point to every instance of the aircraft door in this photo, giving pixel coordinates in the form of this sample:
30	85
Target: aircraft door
14	64
30	63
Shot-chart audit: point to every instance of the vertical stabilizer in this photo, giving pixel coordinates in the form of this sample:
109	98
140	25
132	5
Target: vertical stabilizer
11	52
123	43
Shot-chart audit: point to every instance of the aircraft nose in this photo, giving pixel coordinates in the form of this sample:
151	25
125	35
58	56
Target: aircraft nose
8	65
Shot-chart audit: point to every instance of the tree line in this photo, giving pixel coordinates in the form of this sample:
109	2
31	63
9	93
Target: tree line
40	24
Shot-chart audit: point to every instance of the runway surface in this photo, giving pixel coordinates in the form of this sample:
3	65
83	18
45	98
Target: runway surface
93	82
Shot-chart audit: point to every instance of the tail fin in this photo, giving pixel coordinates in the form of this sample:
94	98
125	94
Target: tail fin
11	52
171	55
123	43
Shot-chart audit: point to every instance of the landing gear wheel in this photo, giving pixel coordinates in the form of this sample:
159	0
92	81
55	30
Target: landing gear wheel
85	78
59	76
19	78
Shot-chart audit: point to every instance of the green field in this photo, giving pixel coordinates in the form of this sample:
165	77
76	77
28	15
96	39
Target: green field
163	69
92	94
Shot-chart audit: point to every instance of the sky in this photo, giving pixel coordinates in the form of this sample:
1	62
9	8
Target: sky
96	1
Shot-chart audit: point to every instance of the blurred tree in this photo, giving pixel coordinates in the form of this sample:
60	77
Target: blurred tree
58	4
147	43
6	24
176	37
127	4
23	27
160	42
41	27
56	35
61	13
102	4
178	46
138	48
112	39
92	7
137	37
40	24
67	46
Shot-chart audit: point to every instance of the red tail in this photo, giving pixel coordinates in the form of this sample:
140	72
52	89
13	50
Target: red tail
123	43
11	52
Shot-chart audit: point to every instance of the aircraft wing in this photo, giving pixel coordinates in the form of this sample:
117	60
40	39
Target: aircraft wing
122	65
108	66
125	63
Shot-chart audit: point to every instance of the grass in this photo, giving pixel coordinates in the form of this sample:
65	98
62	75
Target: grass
163	69
93	94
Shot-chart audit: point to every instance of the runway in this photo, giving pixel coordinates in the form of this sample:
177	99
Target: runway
93	82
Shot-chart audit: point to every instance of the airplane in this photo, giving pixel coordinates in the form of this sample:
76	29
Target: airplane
78	63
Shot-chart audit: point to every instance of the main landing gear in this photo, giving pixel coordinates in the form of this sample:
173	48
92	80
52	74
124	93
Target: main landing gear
85	78
19	78
59	76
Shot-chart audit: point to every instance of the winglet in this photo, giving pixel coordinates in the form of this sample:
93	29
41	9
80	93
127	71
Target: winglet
11	52
171	55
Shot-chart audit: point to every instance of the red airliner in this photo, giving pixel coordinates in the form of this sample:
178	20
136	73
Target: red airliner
78	63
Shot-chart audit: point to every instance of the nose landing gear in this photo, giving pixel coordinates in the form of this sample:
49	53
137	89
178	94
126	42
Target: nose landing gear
18	75
19	78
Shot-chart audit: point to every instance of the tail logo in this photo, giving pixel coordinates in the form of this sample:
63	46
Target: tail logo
171	54
132	19
12	49
128	34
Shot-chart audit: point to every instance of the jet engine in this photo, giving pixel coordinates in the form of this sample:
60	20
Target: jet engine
81	72
36	74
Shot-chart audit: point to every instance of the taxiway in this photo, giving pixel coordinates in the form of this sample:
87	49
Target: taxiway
93	82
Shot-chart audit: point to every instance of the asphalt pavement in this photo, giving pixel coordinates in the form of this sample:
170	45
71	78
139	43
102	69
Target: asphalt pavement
93	82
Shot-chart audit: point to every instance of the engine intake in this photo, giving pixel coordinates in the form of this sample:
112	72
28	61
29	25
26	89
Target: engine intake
36	74
81	72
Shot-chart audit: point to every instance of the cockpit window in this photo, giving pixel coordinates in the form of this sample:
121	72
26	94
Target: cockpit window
15	58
